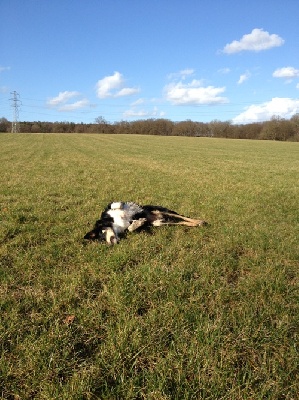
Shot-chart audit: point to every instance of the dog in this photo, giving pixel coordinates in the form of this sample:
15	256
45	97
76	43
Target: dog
121	217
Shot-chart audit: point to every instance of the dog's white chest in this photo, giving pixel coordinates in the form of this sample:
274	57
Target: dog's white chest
122	214
120	222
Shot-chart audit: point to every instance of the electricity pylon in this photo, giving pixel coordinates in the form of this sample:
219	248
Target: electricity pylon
15	127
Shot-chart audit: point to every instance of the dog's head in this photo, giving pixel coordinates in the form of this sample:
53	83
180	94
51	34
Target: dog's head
103	231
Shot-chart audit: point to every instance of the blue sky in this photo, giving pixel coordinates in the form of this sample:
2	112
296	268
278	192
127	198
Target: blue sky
202	60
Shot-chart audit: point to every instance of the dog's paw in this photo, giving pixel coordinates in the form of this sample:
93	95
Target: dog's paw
137	223
158	222
202	223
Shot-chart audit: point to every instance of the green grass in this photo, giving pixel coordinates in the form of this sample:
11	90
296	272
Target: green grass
182	313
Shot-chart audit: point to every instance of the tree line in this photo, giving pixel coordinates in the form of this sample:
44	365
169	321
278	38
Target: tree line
276	129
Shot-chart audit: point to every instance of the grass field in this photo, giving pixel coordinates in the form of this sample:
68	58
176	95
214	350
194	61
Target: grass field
182	313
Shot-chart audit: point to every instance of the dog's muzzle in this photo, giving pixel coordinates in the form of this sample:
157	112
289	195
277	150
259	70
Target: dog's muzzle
110	236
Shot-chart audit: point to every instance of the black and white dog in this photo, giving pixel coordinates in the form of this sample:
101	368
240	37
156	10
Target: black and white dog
119	217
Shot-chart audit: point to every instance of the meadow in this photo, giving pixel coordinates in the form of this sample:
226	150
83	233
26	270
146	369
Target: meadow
178	313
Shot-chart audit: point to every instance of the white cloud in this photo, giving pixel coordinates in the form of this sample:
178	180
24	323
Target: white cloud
126	92
286	72
74	106
244	77
138	102
4	69
280	106
224	71
60	102
193	93
112	86
133	113
183	74
62	98
297	86
109	83
257	40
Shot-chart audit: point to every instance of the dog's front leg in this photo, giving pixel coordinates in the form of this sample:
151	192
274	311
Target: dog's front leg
136	223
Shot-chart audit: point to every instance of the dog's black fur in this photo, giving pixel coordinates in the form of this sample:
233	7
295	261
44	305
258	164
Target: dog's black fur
119	217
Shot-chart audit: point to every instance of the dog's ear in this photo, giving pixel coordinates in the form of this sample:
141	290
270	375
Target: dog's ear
92	235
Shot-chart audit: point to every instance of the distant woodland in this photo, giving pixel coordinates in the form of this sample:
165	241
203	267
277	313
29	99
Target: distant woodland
275	129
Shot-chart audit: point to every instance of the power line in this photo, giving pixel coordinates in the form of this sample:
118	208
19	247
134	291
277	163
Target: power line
15	127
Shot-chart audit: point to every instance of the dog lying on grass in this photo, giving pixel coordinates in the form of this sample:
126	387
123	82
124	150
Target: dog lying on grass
120	217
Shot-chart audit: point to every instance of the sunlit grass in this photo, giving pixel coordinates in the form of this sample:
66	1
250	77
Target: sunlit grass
180	313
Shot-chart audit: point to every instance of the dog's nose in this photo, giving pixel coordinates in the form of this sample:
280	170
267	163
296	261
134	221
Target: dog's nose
113	240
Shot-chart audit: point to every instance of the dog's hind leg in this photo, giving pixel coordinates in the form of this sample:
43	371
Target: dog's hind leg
177	219
192	221
185	223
